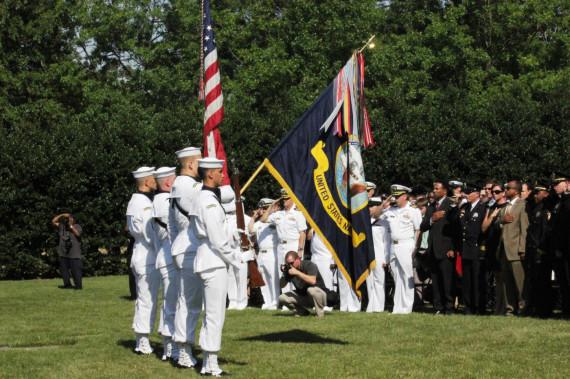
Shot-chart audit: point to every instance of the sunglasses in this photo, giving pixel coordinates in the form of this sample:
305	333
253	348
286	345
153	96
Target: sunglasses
488	188
496	192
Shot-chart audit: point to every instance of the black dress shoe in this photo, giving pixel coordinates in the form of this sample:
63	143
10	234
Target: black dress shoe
65	287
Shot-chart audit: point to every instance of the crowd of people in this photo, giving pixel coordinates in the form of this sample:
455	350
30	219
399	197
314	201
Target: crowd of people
454	240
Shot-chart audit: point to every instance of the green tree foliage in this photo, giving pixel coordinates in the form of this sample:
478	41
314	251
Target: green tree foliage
89	90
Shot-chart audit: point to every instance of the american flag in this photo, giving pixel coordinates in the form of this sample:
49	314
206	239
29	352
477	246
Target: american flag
211	91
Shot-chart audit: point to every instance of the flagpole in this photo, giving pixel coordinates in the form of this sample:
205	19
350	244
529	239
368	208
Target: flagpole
367	43
250	180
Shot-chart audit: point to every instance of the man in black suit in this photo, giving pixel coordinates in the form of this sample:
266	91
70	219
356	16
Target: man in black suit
470	218
440	247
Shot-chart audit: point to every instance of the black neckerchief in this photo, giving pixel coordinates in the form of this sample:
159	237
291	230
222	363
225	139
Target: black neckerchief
196	178
150	195
216	191
163	191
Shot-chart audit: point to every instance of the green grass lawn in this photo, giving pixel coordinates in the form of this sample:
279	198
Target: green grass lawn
46	332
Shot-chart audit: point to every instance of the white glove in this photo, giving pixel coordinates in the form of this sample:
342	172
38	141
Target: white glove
247	256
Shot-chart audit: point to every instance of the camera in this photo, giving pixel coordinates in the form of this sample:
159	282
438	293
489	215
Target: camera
285	267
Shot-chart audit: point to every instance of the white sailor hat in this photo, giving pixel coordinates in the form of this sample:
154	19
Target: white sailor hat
143	172
264	202
227	194
227	198
455	183
375	200
164	172
370	185
188	152
397	189
210	162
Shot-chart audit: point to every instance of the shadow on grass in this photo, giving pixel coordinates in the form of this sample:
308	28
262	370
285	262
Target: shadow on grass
294	336
127	297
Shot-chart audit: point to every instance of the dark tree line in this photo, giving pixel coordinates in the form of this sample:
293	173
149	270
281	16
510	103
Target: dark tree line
89	90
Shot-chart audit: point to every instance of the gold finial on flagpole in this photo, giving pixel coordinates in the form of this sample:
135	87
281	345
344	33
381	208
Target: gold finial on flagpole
370	44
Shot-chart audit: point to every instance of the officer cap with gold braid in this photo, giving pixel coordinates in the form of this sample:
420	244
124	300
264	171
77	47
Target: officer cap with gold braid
399	190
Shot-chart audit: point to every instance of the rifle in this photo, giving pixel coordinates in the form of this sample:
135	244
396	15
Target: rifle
255	278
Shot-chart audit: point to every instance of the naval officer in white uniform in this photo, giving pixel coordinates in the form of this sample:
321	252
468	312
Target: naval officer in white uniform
265	235
404	224
375	282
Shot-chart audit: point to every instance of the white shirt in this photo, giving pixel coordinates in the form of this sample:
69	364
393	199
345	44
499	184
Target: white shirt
289	224
473	205
381	239
403	222
161	205
185	191
319	250
217	246
140	224
266	235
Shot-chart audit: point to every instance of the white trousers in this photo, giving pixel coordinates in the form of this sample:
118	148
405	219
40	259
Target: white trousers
375	286
170	284
267	261
148	284
349	301
190	296
403	272
324	266
215	283
237	286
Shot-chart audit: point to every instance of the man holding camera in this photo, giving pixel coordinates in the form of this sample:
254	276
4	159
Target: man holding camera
69	249
309	286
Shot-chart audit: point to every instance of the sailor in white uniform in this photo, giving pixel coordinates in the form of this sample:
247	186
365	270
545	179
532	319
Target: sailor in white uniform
404	223
266	237
237	279
375	282
143	263
169	273
185	191
216	252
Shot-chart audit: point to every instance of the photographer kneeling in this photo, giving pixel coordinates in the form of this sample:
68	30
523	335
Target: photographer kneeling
309	286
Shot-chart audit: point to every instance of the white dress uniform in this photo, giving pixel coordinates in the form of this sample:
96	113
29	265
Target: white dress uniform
237	276
143	263
322	257
165	265
216	252
403	224
376	280
289	226
349	301
266	237
185	192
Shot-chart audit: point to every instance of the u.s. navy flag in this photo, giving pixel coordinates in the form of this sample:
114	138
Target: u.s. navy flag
320	165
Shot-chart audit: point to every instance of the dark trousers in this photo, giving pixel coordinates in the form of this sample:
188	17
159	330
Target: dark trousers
539	290
484	291
441	277
562	272
73	265
471	285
